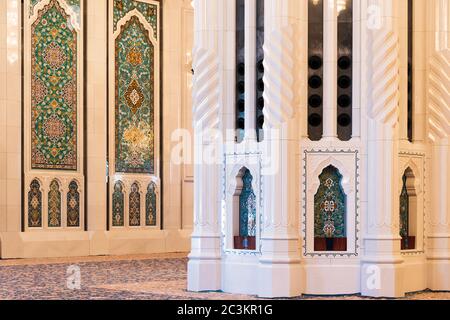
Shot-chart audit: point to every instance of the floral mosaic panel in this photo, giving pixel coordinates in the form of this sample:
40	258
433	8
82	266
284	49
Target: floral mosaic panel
149	11
150	205
135	206
330	206
35	205
54	205
75	4
73	206
118	205
134	105
247	207
53	90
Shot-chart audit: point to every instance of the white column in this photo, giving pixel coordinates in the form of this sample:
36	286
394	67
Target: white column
280	272
439	136
250	69
10	128
97	64
330	70
204	267
382	263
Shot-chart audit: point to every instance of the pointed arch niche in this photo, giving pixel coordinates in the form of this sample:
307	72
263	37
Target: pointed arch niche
331	212
241	224
411	202
53	117
134	110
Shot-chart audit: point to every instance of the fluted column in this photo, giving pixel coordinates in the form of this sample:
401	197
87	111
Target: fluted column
439	136
204	259
279	268
382	262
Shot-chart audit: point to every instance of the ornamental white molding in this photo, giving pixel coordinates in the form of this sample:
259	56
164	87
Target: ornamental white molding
279	76
206	90
386	78
439	93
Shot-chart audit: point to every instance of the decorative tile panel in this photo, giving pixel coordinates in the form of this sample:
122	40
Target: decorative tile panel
134	105
135	206
247	207
73	205
53	90
35	205
134	131
150	205
118	205
330	206
54	205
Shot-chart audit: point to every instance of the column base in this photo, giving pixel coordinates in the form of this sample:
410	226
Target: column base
382	279
439	261
204	266
280	280
439	275
204	275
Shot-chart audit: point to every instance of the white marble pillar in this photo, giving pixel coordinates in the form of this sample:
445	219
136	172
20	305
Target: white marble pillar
280	272
204	267
381	272
439	137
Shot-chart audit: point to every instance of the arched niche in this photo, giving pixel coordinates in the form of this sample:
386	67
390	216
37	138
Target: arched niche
54	205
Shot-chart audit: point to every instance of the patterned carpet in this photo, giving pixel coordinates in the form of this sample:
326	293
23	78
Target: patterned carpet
155	277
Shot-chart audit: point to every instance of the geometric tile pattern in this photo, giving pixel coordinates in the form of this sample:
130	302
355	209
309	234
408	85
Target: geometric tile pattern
149	11
330	206
73	206
247	207
53	90
35	205
150	205
134	90
135	206
54	205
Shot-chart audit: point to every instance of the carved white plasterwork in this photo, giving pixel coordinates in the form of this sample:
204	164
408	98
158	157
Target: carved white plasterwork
279	76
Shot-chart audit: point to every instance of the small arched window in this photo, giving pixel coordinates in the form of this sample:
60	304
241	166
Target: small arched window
135	206
118	205
150	205
35	205
54	205
73	205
